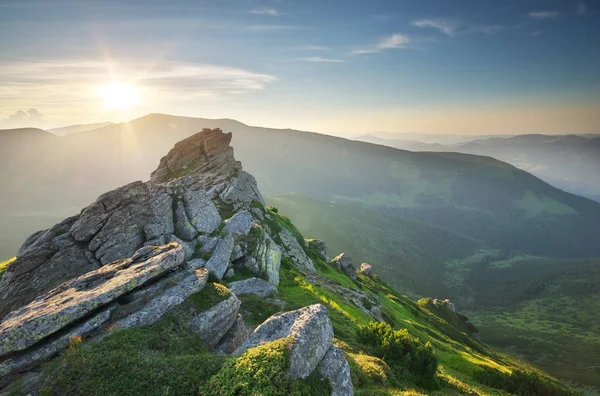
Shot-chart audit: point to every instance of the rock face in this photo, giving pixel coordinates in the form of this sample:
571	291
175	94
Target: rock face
311	330
343	262
254	286
320	247
234	338
218	263
366	269
336	369
212	324
295	251
74	299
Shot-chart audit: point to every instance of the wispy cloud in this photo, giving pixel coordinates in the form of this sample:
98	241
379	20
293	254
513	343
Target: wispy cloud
543	14
314	48
446	26
265	11
271	28
394	41
537	33
320	59
582	8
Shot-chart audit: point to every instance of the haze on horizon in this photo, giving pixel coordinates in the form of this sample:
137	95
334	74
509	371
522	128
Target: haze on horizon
469	67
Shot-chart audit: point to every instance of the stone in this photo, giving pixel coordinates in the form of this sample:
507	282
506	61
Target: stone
366	269
239	223
265	260
212	324
336	369
311	329
295	251
320	247
254	286
80	296
201	211
237	253
161	304
220	259
183	228
229	274
343	262
234	338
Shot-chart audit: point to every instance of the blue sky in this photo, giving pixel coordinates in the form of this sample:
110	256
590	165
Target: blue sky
341	67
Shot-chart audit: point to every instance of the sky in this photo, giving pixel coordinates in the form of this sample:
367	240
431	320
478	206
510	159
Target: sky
340	67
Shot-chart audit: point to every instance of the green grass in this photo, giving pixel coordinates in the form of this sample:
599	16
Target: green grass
256	309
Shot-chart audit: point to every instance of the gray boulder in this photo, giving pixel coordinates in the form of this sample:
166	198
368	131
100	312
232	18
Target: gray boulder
366	269
183	228
234	338
343	262
79	297
239	223
220	259
212	324
295	251
320	247
255	286
311	329
336	369
265	259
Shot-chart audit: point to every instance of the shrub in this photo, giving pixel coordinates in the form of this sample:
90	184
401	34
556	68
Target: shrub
406	355
263	371
521	383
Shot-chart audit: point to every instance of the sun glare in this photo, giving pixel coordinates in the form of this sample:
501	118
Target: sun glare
118	96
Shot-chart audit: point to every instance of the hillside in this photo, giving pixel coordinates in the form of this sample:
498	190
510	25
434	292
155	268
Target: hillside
188	284
475	196
529	305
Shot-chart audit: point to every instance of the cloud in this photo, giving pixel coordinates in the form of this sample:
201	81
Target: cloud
265	11
320	59
394	41
269	28
445	26
314	48
22	118
537	33
582	8
543	14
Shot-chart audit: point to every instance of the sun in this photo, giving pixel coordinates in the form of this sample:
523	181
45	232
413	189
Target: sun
118	96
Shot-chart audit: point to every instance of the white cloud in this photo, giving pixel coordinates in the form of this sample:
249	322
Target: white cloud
22	118
265	11
448	27
543	14
314	48
320	59
394	41
268	28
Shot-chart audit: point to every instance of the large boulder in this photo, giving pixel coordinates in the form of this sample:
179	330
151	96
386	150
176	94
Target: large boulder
366	269
234	338
83	295
320	247
239	223
312	333
267	259
295	251
336	369
254	286
212	324
343	262
220	259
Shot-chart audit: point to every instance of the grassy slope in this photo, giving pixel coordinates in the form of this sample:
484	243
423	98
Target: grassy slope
166	358
527	304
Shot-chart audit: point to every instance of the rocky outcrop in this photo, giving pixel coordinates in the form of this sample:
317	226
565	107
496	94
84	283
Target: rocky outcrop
336	369
343	262
212	324
264	257
75	299
234	338
295	251
366	269
320	247
311	330
220	260
254	286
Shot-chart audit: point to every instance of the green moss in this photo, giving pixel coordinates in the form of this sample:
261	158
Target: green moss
4	265
263	371
211	295
256	309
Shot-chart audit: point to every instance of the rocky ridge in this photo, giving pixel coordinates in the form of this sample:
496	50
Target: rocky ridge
143	249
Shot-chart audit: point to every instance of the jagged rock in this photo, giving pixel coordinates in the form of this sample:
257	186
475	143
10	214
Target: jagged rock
212	324
255	286
295	251
78	297
53	347
366	269
237	253
320	247
197	263
220	258
207	243
234	338
311	329
336	369
239	223
183	228
229	274
265	258
343	262
158	306
201	211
